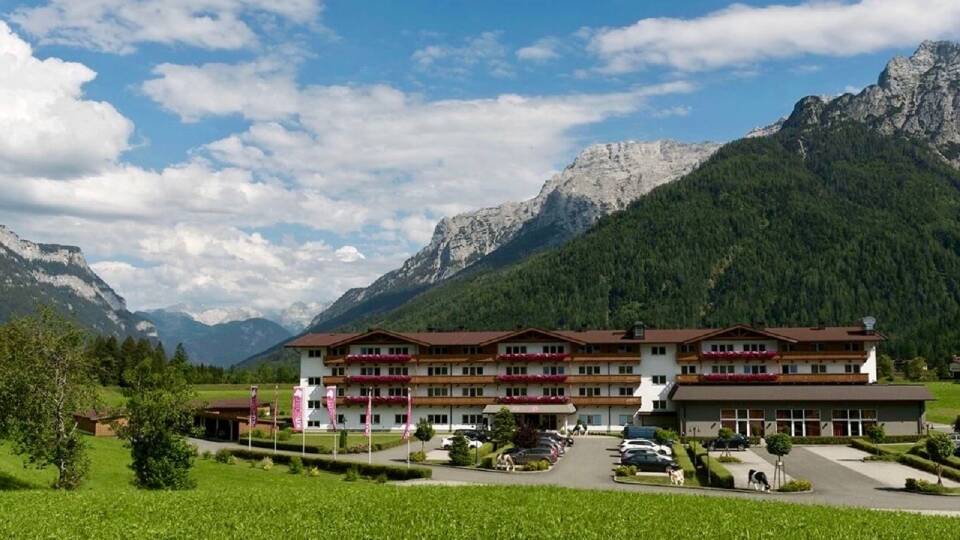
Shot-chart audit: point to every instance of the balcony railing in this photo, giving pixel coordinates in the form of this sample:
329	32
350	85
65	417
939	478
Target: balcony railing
543	400
793	378
377	400
533	357
376	379
738	355
377	358
606	400
534	378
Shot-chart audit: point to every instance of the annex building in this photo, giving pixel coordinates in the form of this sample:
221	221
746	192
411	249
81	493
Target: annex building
806	381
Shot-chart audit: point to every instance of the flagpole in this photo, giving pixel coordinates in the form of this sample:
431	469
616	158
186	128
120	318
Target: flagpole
370	427
303	430
276	409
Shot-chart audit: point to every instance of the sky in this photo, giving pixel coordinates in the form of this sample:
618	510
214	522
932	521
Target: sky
250	154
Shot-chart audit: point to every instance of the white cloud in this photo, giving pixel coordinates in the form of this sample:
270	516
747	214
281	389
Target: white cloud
481	51
679	110
541	50
46	127
741	34
119	25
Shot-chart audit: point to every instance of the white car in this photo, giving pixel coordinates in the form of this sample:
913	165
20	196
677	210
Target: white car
447	442
643	443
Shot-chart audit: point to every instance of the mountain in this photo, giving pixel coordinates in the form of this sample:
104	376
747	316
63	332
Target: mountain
604	178
222	344
33	274
817	223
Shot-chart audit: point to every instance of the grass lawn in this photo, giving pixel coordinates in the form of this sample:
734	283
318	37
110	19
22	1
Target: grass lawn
354	438
947	406
113	396
900	448
237	501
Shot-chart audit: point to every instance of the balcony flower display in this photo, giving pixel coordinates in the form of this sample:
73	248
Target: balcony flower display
535	378
740	377
739	355
533	357
376	379
377	358
377	400
543	400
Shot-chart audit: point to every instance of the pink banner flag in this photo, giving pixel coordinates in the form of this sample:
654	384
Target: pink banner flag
332	405
406	427
297	408
253	406
368	421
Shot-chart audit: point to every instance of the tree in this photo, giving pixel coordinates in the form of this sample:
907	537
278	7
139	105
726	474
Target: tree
876	434
159	415
503	427
424	431
939	447
526	436
665	436
459	450
725	434
916	368
956	424
885	366
343	438
779	444
180	360
48	373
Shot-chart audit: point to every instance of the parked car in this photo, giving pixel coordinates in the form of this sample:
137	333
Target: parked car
644	443
639	432
447	442
738	441
649	461
639	450
563	439
531	455
474	434
550	443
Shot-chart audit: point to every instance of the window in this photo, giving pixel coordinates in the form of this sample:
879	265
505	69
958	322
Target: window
438	391
589	391
341	419
658	350
624	348
799	422
659	404
625	391
337	371
365	391
338	351
516	392
686	348
590	419
721	347
754	370
851	368
789	347
314	353
554	349
437	418
471	350
438	371
396	392
553	370
313	381
625	419
313	423
341	391
590	349
375	418
555	391
516	370
516	349
852	347
745	422
473	419
853	422
369	371
789	369
818	368
755	347
625	370
688	370
438	350
369	350
398	371
473	370
819	347
472	391
722	369
659	379
400	418
588	370
314	404
399	350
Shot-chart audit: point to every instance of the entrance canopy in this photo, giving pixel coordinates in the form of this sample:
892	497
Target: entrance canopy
551	408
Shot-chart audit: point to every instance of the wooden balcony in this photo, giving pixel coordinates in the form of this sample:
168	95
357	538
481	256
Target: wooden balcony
453	379
605	357
795	378
452	400
853	356
603	379
605	400
454	358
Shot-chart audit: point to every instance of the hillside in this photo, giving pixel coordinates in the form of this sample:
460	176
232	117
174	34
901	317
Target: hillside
810	224
32	274
222	344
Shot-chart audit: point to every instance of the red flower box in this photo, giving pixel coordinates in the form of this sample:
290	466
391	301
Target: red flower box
532	378
377	358
533	399
740	377
377	400
739	355
533	357
375	379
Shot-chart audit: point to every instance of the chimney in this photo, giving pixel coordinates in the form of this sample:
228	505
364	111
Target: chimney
638	331
869	325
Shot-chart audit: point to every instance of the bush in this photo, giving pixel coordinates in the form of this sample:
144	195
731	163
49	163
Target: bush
922	486
920	450
526	436
223	455
352	475
779	444
795	485
296	465
342	439
929	466
625	470
232	460
258	433
418	456
206	454
541	465
665	436
393	472
718	474
266	463
680	454
314	472
729	459
459	451
488	462
381	478
284	434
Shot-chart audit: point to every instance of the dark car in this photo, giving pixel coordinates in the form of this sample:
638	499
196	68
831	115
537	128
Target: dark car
564	440
550	443
738	441
532	455
649	461
474	434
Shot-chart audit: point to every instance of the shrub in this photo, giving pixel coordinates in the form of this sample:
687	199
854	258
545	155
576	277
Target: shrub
526	436
232	460
418	457
922	464
911	484
796	484
459	451
939	447
625	470
296	465
922	486
352	475
423	433
265	463
729	459
689	471
718	474
258	434
284	434
488	462
920	450
314	472
665	436
381	478
342	438
541	465
503	427
206	454
223	455
956	424
393	472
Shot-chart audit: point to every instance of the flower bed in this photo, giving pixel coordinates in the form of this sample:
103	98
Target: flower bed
533	399
533	357
377	400
743	355
740	377
532	378
378	379
377	358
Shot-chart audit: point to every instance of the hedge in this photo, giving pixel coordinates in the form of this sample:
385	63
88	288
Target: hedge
951	461
320	449
392	472
910	460
680	454
719	475
823	440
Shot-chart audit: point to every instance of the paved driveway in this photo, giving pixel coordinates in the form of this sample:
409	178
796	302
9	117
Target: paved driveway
750	461
888	473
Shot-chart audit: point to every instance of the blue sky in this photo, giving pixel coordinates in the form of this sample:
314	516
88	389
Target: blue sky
243	154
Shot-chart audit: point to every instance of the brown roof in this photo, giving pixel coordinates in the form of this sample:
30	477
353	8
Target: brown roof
232	403
829	333
100	415
807	392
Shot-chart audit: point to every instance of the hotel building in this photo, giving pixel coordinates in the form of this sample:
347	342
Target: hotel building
805	381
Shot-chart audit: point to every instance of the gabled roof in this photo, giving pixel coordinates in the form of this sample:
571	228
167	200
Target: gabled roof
376	331
747	328
307	341
548	333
